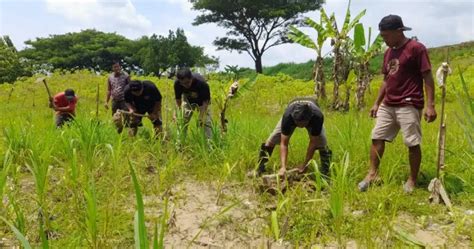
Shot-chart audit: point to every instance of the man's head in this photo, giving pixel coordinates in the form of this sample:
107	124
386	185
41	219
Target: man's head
185	77
391	30
136	87
69	93
116	67
301	115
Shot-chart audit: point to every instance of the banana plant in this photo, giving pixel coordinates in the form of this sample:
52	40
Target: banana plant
303	39
363	51
341	44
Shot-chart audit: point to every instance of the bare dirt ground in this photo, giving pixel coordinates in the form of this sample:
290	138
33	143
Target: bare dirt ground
199	221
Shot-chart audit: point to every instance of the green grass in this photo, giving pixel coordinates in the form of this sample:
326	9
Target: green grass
79	179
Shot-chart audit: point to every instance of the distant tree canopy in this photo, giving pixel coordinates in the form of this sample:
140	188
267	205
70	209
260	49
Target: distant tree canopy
11	65
253	26
92	49
157	54
88	49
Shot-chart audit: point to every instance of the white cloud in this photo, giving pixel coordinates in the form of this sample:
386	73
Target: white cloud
116	15
185	5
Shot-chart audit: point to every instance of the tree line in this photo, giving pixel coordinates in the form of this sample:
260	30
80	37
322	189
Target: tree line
96	50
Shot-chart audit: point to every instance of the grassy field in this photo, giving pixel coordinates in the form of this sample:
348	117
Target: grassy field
77	185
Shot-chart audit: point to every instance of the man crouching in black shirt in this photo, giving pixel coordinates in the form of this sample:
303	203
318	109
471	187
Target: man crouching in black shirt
300	112
141	98
192	92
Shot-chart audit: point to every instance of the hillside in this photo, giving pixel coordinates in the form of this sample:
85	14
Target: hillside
461	54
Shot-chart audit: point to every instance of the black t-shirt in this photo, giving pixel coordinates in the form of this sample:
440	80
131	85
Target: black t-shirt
316	118
145	102
197	93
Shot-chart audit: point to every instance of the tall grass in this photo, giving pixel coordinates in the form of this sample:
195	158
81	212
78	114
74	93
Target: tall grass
79	176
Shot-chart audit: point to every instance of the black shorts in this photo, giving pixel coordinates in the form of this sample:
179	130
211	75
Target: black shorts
63	118
118	105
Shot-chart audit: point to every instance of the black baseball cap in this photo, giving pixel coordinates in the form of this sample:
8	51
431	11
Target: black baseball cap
301	112
69	93
135	85
392	22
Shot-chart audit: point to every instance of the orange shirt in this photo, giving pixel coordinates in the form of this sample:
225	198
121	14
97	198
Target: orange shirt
60	100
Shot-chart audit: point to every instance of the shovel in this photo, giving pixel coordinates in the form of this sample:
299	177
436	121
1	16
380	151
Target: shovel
43	79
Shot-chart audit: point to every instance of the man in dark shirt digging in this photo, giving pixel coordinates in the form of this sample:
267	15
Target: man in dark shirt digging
141	98
302	113
192	93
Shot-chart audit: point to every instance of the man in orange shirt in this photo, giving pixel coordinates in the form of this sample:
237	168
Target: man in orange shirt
64	103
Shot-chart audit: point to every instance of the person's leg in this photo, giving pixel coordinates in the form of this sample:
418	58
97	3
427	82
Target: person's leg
385	129
376	152
59	120
410	118
266	149
414	155
208	124
157	127
134	123
325	154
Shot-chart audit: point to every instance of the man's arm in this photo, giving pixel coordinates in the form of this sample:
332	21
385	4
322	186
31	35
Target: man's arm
179	102
430	111
156	113
107	96
130	107
203	111
285	140
312	146
378	101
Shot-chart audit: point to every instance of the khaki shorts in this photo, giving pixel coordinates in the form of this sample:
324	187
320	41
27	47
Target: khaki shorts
392	119
275	137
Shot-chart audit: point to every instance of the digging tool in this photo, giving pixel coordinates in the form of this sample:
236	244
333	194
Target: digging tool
43	79
133	114
97	103
436	187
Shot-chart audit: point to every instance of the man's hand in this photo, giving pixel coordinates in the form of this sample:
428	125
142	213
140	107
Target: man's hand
373	111
282	171
430	114
106	105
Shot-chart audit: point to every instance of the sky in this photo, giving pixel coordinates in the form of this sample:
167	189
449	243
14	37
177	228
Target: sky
434	22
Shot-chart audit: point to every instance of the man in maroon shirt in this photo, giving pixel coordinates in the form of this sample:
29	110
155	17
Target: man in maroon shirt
64	103
406	67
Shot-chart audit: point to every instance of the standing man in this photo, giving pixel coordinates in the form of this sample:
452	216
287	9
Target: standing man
301	113
116	84
193	90
400	101
64	103
142	98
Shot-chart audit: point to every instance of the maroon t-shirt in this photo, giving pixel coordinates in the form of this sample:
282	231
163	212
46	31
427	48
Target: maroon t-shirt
403	69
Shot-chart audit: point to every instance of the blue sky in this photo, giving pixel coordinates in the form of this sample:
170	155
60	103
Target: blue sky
434	22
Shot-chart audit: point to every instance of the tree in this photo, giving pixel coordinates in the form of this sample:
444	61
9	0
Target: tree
364	51
341	50
88	49
157	54
253	26
11	65
303	39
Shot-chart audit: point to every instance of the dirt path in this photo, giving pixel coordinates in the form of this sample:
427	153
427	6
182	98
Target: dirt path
200	222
